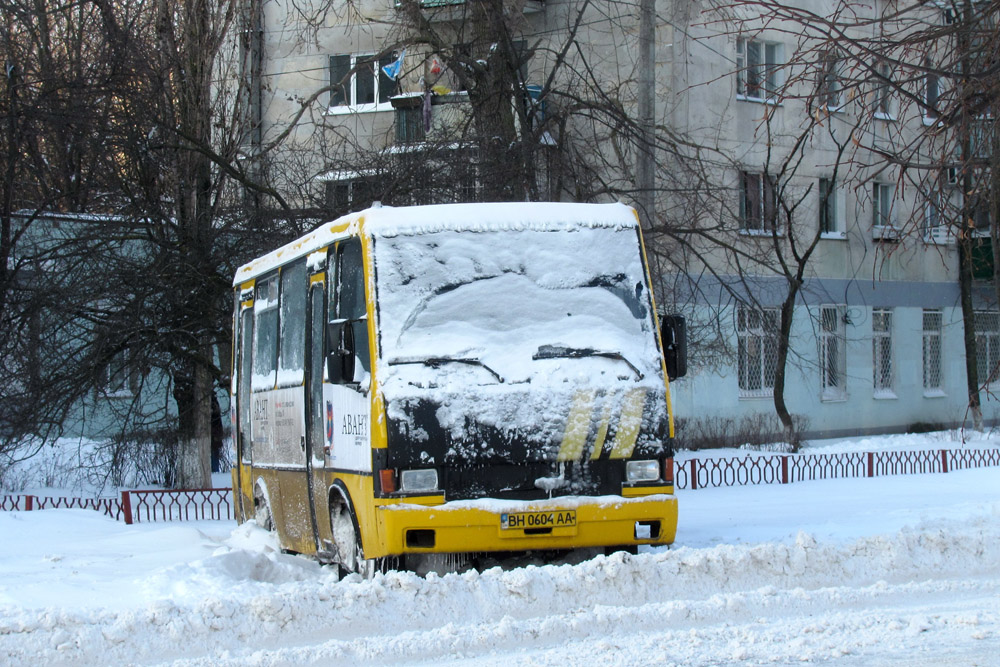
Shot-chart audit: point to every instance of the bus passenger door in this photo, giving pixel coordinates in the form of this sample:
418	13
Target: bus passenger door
288	406
347	404
244	443
316	427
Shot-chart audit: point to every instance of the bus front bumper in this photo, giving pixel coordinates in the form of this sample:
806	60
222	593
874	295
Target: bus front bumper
558	523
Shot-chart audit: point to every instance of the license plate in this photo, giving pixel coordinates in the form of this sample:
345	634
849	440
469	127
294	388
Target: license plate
522	520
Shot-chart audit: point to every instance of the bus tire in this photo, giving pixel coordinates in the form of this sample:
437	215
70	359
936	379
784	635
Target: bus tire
262	510
344	529
346	541
631	549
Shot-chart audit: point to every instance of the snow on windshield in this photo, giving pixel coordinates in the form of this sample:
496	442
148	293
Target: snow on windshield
516	303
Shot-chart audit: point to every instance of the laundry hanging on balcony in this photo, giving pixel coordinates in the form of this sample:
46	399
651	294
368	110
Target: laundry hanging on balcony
393	69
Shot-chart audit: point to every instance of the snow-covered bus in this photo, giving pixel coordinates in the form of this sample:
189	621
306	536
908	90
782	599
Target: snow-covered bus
455	379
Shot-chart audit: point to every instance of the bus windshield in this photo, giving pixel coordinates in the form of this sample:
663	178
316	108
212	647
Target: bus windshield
515	306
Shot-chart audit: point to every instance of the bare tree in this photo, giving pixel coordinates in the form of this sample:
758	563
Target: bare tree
56	112
124	126
512	108
932	68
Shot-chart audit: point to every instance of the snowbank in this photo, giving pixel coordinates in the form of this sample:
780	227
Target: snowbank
848	569
950	439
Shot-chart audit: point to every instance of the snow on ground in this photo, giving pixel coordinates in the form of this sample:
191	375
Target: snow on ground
951	439
884	571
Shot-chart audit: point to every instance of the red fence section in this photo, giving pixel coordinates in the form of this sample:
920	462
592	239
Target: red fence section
974	458
737	471
109	506
14	503
186	505
136	506
810	467
789	468
909	462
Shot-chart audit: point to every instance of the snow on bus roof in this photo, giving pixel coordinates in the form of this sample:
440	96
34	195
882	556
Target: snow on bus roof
508	216
388	221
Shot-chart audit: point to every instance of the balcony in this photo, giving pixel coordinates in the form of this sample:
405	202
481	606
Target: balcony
448	10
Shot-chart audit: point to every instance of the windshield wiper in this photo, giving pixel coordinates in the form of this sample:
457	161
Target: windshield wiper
558	351
437	362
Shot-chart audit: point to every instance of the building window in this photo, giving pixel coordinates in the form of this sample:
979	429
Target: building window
758	212
882	211
979	208
757	69
116	379
932	351
883	95
931	92
757	341
981	137
358	82
831	208
988	348
410	125
831	86
832	359
934	227
882	370
346	196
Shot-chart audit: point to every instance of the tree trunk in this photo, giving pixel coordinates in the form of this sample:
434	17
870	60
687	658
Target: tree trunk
969	328
994	198
189	60
9	183
967	228
784	335
194	443
502	164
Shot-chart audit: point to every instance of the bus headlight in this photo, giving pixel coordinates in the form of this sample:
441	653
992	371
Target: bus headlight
415	481
642	471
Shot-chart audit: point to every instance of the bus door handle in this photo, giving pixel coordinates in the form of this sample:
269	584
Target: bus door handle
302	443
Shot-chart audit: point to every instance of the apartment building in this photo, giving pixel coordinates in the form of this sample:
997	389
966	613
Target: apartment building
778	163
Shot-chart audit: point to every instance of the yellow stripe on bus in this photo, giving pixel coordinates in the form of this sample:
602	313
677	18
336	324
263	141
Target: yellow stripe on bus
577	426
628	424
602	429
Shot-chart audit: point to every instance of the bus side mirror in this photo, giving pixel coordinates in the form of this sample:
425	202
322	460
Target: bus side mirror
340	352
673	333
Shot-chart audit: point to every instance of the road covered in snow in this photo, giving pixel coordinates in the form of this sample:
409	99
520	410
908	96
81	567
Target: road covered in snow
883	571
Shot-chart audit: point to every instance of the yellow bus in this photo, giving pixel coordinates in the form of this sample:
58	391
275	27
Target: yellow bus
455	379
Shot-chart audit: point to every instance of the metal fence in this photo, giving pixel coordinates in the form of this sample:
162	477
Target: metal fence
790	468
186	505
216	504
136	506
111	507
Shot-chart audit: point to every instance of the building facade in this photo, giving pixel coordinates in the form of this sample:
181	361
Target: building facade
779	161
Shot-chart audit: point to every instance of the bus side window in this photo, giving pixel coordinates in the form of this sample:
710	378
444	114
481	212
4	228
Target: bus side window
292	331
265	335
350	314
331	281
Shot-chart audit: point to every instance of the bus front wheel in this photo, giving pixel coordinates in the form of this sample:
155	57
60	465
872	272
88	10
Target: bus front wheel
262	511
347	550
347	545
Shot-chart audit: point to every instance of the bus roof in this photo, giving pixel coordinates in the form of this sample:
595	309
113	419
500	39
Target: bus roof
388	221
